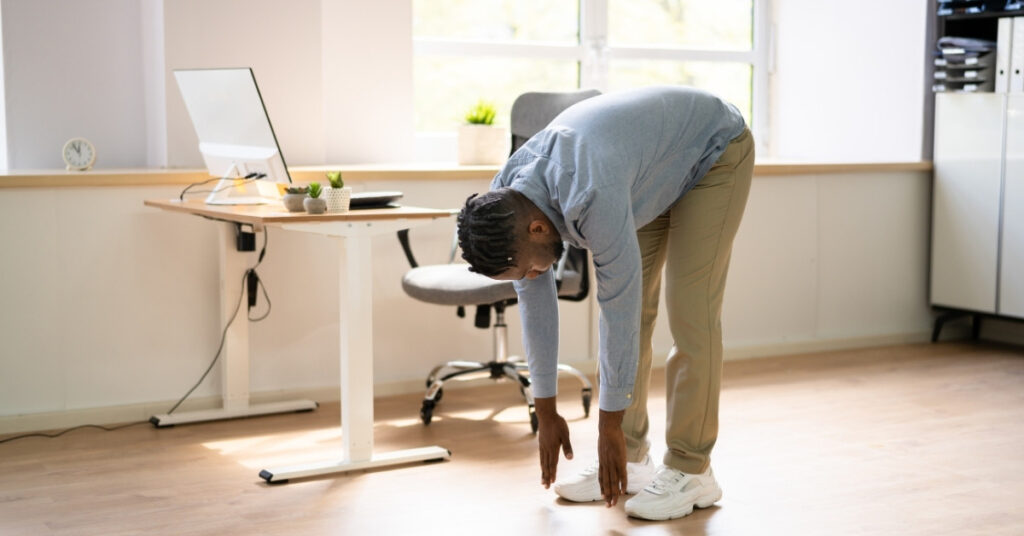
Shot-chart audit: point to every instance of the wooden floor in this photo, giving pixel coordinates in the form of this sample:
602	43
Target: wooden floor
921	439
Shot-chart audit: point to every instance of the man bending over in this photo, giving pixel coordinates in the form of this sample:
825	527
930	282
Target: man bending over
653	182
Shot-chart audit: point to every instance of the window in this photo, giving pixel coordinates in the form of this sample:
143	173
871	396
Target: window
466	50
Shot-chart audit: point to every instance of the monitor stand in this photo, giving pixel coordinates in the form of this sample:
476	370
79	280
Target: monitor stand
242	191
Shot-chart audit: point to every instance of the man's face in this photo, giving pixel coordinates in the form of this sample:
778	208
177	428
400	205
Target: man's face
535	257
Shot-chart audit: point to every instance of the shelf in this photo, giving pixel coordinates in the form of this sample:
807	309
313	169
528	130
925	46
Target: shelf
985	15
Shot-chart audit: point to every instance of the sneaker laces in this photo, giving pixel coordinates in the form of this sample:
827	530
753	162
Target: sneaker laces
591	469
666	479
595	466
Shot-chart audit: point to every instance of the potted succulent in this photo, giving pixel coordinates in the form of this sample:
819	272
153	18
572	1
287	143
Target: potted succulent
480	142
293	198
314	204
337	194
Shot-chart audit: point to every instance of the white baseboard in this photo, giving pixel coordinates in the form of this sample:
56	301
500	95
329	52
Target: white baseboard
143	411
107	415
822	345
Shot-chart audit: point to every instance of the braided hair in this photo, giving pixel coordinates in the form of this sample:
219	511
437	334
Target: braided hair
487	233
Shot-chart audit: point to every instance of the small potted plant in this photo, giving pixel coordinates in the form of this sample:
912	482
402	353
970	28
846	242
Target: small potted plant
293	198
480	142
337	194
314	204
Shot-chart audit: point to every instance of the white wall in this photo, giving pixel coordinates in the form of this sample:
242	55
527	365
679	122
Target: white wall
335	75
367	69
109	303
337	78
280	41
154	82
3	101
72	68
830	257
848	83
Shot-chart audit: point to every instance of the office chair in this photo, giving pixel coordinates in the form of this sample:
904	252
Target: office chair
454	284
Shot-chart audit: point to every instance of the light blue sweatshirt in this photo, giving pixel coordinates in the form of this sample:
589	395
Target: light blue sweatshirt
602	169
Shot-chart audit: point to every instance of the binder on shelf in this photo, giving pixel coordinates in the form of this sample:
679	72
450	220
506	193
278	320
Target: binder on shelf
960	7
971	62
961	75
1017	56
964	64
1004	39
949	86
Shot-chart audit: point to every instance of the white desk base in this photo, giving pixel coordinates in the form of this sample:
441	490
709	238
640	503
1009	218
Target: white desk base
170	419
235	356
355	269
423	454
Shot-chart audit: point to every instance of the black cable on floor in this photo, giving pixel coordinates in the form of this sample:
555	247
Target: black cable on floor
62	432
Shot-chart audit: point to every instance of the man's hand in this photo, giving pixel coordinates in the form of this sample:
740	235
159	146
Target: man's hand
611	455
552	434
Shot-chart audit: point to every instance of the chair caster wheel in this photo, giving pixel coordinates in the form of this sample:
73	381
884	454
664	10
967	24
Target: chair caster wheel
427	412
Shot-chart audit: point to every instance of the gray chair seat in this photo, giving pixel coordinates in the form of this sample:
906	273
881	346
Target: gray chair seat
454	284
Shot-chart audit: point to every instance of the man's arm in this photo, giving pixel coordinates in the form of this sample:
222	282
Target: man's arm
608	224
538	309
618	272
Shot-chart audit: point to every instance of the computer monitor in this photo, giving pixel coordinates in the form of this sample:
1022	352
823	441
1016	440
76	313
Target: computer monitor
235	136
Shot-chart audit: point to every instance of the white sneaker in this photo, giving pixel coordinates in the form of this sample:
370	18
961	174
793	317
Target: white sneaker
673	494
585	486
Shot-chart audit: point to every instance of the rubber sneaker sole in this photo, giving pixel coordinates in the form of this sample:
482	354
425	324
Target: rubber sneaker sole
705	500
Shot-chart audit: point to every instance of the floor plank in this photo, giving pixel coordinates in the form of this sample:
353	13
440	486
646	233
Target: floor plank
918	439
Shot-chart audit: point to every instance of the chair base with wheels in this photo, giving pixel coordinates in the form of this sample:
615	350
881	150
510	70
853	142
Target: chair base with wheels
498	369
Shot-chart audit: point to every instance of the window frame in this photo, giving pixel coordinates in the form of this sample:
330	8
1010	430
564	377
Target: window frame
594	55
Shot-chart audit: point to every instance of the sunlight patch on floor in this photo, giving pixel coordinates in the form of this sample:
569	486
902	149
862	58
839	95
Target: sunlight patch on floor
402	423
516	414
281	449
289	459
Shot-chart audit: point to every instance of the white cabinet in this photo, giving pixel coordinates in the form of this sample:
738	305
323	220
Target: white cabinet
977	220
1011	252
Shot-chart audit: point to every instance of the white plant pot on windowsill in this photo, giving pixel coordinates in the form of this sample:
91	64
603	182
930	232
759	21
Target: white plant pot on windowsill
338	199
483	145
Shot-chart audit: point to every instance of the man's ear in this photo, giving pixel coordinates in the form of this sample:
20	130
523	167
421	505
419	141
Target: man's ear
538	228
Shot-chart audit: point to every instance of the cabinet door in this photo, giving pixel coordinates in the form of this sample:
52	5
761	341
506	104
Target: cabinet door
1011	271
966	199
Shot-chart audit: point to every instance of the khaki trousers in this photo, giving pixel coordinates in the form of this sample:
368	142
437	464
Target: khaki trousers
692	241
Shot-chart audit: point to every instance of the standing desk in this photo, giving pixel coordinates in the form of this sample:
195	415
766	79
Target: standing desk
352	231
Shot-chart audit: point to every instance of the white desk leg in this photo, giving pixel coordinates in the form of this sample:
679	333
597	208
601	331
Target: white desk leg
235	368
356	323
355	283
235	354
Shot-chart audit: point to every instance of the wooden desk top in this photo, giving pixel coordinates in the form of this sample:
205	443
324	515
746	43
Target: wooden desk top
276	213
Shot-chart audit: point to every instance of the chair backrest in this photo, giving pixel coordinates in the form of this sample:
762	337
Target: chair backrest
531	112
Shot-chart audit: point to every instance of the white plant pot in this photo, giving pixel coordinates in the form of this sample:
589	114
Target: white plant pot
338	199
483	145
293	202
315	205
